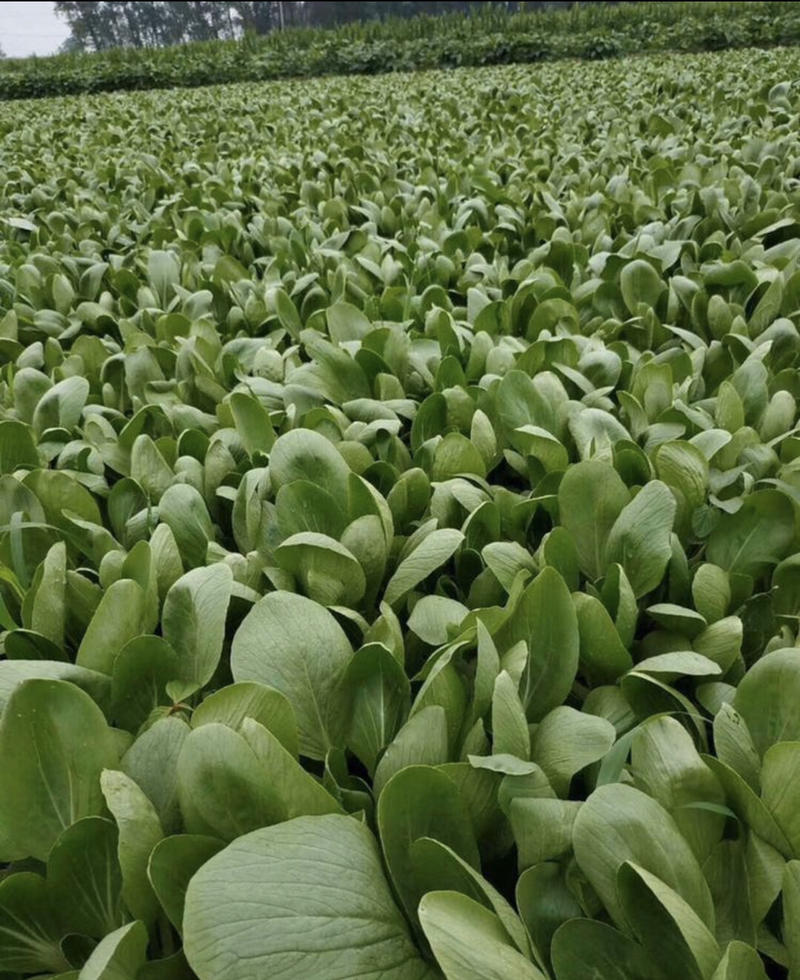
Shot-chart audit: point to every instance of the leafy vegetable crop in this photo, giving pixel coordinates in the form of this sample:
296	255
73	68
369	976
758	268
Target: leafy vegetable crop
400	549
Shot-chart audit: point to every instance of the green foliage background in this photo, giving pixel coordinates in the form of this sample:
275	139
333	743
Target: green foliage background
588	31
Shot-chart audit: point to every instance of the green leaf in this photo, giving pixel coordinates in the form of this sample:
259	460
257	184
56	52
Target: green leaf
640	283
619	823
63	730
116	621
791	913
296	646
768	698
152	762
545	618
780	788
15	672
230	706
434	617
29	926
432	552
583	946
542	829
84	877
740	962
509	725
566	741
172	863
119	956
327	571
758	535
469	942
139	831
591	497
381	699
545	903
183	510
423	740
420	801
305	455
666	924
140	674
314	891
193	623
222	785
17	448
640	537
603	657
437	864
297	792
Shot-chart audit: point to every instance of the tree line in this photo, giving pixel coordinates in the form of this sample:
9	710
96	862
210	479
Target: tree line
97	25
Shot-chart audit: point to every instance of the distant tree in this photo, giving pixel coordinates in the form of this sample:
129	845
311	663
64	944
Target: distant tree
99	24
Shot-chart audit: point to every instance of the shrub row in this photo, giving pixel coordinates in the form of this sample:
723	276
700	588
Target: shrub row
422	43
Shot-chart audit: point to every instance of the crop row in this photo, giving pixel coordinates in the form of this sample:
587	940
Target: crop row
593	31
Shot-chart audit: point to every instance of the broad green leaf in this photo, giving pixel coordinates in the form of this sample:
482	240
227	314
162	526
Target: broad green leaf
566	741
619	823
420	801
116	621
439	864
758	535
780	788
421	741
581	946
230	706
29	926
63	730
84	876
768	698
139	831
381	699
740	962
640	283
297	792
666	924
640	537
469	942
434	617
430	554
15	672
603	657
193	623
327	571
542	829
510	735
305	455
545	618
152	762
139	678
222	785
119	956
590	499
791	913
319	905
296	646
171	865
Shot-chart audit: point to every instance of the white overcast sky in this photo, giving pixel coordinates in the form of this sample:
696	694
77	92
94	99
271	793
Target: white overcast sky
30	27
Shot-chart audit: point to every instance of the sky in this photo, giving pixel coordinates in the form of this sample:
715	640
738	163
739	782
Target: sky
30	28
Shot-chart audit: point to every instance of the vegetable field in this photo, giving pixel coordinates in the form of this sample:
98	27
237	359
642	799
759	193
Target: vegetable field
400	527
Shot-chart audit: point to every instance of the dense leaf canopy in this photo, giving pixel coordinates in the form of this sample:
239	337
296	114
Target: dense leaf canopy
399	549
